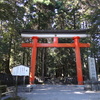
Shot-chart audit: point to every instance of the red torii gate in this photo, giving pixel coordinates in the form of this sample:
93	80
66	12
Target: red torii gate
34	45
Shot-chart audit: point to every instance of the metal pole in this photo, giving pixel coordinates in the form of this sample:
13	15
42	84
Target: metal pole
16	86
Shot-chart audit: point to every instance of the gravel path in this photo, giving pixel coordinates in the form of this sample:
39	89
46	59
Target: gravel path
59	92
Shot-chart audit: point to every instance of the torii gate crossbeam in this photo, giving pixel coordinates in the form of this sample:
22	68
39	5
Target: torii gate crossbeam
77	45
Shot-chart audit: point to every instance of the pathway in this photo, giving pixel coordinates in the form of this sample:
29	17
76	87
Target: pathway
59	92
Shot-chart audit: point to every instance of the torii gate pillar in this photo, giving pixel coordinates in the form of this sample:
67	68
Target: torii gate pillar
78	61
33	59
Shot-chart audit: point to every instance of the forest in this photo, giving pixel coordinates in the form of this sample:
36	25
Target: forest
17	15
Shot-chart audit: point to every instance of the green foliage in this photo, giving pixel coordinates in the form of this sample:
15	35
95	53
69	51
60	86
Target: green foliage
5	11
42	1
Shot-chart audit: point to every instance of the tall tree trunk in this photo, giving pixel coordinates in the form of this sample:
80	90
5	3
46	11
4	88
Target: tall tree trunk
43	62
23	58
7	70
74	20
7	61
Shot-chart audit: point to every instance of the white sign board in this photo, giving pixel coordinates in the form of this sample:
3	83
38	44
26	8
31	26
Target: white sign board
20	71
92	68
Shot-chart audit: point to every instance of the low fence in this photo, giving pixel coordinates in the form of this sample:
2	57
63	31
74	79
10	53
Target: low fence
9	80
6	79
4	90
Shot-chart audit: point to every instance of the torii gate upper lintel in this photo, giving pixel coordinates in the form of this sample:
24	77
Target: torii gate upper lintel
75	35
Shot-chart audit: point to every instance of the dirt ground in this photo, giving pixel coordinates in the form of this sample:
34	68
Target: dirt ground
60	92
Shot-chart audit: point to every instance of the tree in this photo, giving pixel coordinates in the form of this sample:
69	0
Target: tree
47	15
11	24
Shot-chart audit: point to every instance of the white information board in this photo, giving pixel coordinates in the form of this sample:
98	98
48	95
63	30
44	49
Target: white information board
20	71
92	68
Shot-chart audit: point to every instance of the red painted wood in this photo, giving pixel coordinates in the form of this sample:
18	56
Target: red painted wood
56	45
84	44
26	44
33	59
78	61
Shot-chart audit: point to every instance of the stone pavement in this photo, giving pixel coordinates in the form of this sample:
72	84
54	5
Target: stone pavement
60	92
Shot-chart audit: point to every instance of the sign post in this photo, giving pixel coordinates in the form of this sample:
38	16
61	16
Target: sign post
20	71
